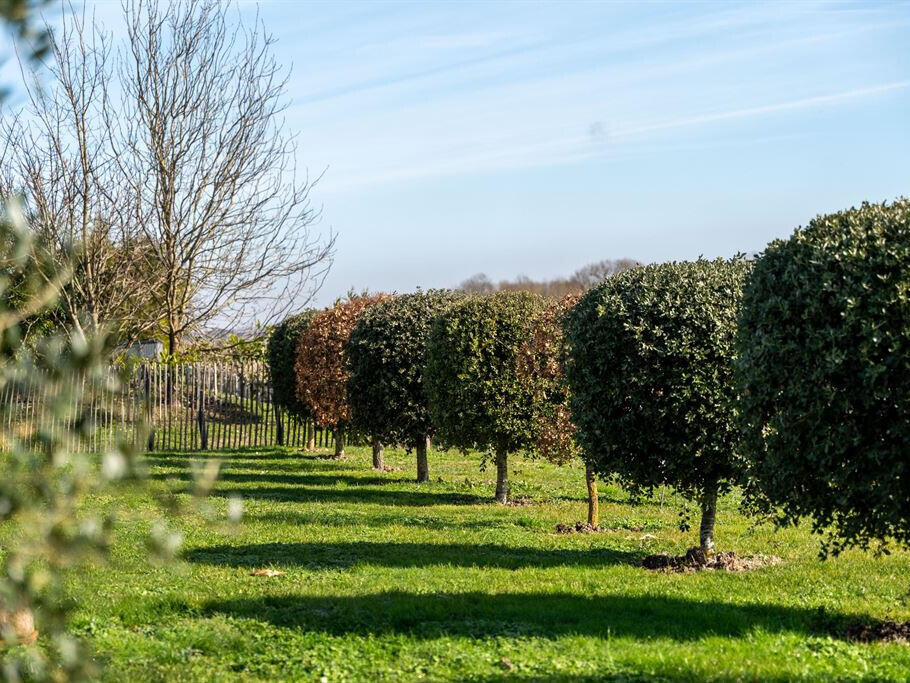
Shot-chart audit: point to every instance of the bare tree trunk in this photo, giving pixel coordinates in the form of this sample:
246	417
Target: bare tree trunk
502	476
378	463
708	515
591	479
423	468
339	443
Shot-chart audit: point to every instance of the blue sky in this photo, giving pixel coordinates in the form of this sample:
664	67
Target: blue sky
533	138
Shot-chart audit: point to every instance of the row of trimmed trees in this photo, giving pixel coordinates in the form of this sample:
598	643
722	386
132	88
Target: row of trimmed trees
788	374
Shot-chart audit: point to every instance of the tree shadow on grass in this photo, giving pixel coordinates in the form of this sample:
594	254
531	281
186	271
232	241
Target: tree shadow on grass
425	520
229	462
298	479
347	555
353	494
547	615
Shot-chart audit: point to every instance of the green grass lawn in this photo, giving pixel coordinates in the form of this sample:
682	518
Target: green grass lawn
385	579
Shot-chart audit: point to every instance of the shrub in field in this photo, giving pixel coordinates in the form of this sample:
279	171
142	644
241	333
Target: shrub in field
823	372
649	366
541	362
281	355
322	379
477	396
386	355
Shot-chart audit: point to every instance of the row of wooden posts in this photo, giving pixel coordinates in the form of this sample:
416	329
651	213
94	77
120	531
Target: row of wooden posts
173	407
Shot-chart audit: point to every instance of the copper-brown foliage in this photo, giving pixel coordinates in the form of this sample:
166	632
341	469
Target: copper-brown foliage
321	376
540	358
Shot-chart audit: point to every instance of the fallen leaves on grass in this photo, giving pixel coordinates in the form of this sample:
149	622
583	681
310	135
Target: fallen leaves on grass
266	572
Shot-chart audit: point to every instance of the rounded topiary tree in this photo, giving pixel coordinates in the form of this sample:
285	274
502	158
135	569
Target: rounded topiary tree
320	369
386	355
541	361
823	372
649	366
477	396
281	354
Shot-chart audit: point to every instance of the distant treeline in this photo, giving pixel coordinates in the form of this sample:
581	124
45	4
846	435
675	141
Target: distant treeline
581	280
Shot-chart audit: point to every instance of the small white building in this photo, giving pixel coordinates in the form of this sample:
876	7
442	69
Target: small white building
149	349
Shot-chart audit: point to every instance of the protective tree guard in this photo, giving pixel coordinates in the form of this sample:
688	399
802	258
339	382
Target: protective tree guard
708	516
591	480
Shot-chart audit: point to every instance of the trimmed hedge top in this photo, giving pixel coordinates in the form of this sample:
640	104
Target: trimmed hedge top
824	373
281	354
477	397
386	356
650	369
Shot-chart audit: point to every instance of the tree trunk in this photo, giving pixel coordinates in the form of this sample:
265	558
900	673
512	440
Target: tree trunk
378	463
279	426
708	515
311	436
339	443
502	476
591	479
423	468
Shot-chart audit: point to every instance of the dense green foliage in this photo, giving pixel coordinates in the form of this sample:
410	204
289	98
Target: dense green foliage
385	580
824	373
281	355
650	365
477	396
386	356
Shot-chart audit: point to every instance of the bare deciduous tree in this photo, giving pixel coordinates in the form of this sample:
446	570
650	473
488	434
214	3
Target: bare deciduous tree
213	169
58	153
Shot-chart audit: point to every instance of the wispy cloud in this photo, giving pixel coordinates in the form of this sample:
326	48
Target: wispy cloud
750	112
594	142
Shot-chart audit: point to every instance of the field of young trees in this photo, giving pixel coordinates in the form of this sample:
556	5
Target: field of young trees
689	470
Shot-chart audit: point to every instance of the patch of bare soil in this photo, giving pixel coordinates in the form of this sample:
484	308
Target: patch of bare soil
519	502
579	528
695	560
881	632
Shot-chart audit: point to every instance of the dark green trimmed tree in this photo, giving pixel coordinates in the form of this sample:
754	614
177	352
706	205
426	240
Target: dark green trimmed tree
650	372
823	373
386	356
282	356
478	398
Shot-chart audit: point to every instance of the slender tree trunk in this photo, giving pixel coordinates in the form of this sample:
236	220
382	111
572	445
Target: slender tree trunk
502	476
378	463
311	435
279	427
708	515
339	443
591	479
423	468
